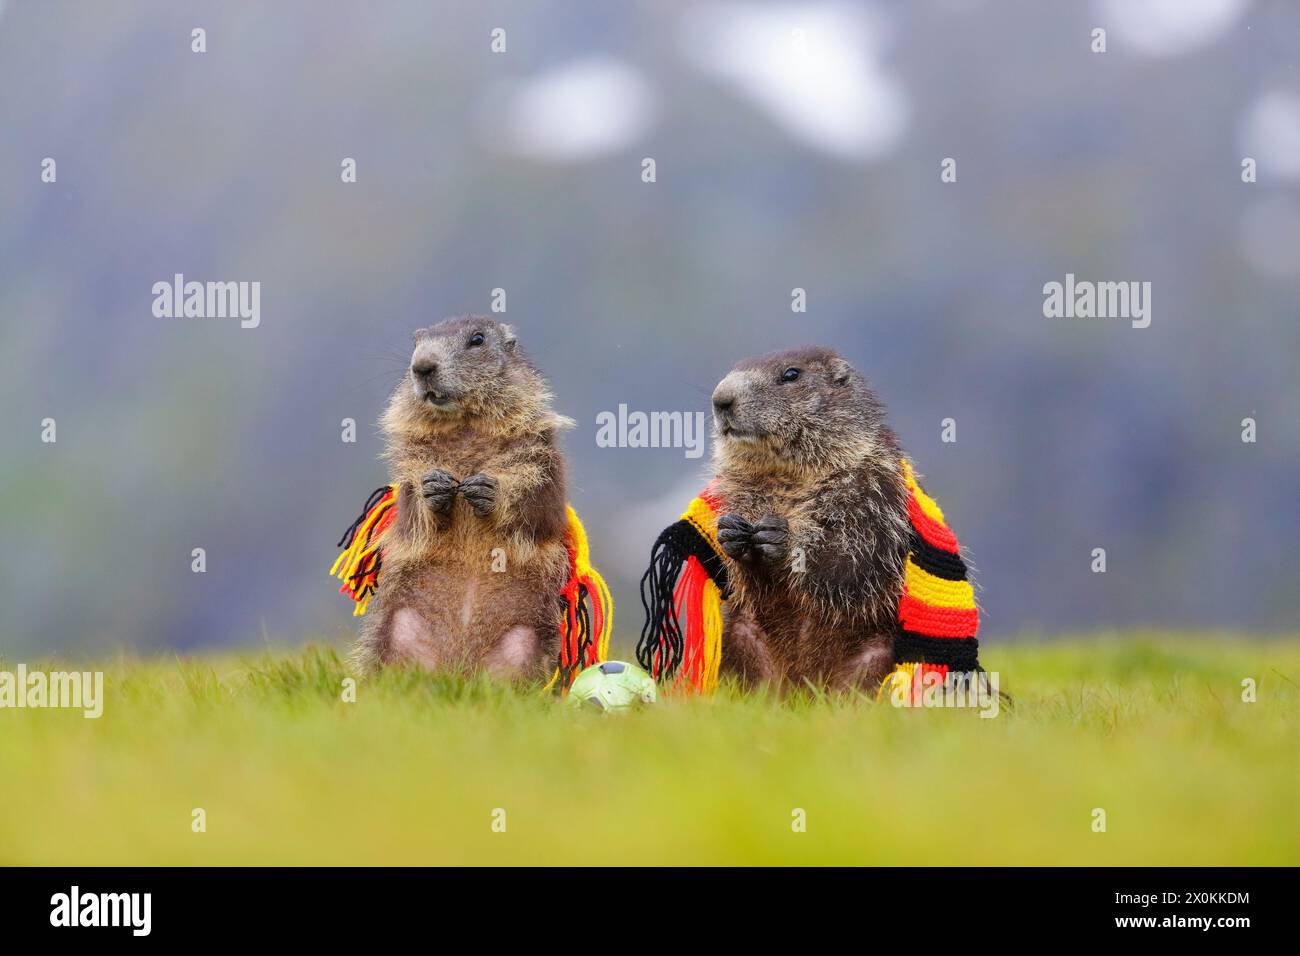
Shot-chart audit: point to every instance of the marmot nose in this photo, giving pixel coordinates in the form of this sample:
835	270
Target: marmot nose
424	371
723	403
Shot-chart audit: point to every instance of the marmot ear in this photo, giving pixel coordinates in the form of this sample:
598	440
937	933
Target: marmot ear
841	371
508	337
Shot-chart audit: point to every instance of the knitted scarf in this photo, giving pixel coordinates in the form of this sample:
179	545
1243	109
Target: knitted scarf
586	608
685	586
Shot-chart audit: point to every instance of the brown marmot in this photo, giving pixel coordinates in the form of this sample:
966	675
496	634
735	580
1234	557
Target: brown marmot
475	559
815	522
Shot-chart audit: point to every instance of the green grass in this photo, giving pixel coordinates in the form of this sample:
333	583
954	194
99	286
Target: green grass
1150	728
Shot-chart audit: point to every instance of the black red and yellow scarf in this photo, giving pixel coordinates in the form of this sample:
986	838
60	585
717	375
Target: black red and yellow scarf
586	607
685	586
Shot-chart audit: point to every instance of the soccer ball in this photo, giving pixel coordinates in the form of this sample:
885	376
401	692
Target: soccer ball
612	686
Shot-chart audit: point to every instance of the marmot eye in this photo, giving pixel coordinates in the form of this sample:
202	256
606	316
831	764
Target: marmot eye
476	339
790	374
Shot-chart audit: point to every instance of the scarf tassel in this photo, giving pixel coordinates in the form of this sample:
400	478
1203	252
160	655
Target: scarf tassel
681	641
661	646
358	565
586	612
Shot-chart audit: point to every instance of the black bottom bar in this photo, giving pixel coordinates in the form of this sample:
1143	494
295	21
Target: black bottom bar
587	906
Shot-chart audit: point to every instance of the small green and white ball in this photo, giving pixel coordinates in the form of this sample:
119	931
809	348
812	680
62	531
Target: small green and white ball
612	686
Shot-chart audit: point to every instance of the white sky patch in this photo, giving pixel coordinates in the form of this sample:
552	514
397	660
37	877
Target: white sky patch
1168	27
580	111
812	68
1270	134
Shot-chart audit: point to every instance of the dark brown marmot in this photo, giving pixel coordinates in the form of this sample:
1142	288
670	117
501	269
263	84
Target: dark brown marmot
476	558
814	525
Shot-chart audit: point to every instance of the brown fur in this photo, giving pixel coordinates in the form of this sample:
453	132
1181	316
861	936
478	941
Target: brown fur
808	466
440	603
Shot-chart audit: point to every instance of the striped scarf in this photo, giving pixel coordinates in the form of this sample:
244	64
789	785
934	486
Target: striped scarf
685	587
586	608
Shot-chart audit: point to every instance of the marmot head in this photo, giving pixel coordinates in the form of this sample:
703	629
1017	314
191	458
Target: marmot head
468	369
804	409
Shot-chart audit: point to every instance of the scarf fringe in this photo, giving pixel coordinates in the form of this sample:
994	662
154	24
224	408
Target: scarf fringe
682	593
586	612
359	563
700	600
661	647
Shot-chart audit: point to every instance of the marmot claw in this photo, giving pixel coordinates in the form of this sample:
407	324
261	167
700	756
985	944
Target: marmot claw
770	537
481	493
439	490
764	540
735	536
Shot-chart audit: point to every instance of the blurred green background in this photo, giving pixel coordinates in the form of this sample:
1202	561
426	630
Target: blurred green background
797	145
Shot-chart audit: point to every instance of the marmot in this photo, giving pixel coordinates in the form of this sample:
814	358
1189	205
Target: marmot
471	442
814	522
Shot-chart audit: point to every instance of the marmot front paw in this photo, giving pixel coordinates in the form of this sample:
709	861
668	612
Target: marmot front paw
734	536
771	538
481	493
764	540
439	490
